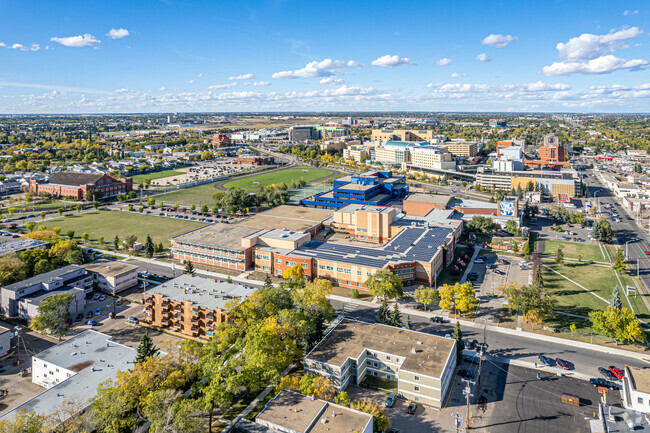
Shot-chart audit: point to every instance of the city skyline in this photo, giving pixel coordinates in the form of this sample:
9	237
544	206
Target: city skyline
163	56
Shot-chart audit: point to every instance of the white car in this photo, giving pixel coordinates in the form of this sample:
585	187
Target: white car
479	261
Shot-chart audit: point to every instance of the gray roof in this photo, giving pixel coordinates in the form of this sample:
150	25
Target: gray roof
203	292
42	278
41	295
18	245
74	179
246	426
98	359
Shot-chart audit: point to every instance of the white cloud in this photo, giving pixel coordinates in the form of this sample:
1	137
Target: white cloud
389	60
222	86
85	40
330	80
35	47
20	47
256	83
241	77
162	89
599	65
538	86
458	75
2	44
626	13
190	81
483	58
200	75
498	41
312	69
353	64
589	46
117	33
443	62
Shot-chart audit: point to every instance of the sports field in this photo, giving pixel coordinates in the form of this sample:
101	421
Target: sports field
121	223
287	176
198	195
156	175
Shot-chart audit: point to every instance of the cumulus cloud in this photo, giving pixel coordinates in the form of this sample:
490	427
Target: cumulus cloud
330	80
190	81
483	58
2	44
117	33
35	47
538	86
498	41
324	68
256	83
85	40
458	75
353	64
222	86
626	13
241	77
592	54
20	47
389	60
443	62
162	88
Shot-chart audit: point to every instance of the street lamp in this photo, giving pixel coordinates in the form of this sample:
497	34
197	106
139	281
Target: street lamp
626	250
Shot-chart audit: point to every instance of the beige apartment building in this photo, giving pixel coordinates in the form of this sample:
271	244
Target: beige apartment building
356	153
462	148
432	157
112	277
403	134
366	223
422	364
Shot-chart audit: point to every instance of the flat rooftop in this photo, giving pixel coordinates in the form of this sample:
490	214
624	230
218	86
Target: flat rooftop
18	245
287	217
202	292
285	235
46	277
94	356
352	208
110	268
349	339
639	378
300	413
436	199
355	187
219	235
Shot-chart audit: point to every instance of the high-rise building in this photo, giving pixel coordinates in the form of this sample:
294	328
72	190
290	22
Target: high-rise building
301	133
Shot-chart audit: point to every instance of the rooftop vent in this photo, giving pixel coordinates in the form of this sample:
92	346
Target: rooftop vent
323	421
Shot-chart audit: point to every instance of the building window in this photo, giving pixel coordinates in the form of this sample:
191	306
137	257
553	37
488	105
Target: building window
368	362
639	400
376	364
387	357
374	373
278	261
388	377
416	378
416	398
417	389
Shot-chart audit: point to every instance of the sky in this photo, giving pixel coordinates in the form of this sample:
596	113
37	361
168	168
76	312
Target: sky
164	56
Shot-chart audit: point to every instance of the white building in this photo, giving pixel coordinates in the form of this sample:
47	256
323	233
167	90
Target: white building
5	341
636	389
113	277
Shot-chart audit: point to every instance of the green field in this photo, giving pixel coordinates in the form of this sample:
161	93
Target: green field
295	174
109	224
26	208
198	195
156	175
574	250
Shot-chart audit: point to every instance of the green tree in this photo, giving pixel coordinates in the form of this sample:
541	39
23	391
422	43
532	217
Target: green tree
619	324
615	300
294	272
130	241
515	246
85	237
408	324
151	201
189	268
482	224
74	257
526	249
52	314
43	266
60	211
70	234
116	242
96	205
396	317
101	240
619	265
12	269
145	349
204	208
383	314
528	298
380	421
148	247
30	226
24	422
458	336
385	284
559	255
426	296
11	211
193	208
57	230
168	411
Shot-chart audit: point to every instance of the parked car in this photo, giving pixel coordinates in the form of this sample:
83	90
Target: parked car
390	400
546	361
411	408
79	317
498	272
472	276
604	383
96	296
479	261
98	312
564	364
133	320
617	372
91	323
436	319
102	297
68	322
466	373
89	315
472	360
606	373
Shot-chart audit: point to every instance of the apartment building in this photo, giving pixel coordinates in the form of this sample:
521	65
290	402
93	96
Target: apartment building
356	153
431	157
463	148
112	277
552	182
290	411
191	305
422	364
403	135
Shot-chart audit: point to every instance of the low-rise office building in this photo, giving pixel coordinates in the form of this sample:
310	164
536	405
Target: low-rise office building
191	305
112	277
23	298
422	364
72	370
466	149
551	182
403	134
78	185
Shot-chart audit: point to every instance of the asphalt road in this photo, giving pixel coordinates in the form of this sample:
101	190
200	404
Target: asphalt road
505	345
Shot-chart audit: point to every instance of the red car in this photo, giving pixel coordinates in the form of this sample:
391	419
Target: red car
562	363
647	252
617	372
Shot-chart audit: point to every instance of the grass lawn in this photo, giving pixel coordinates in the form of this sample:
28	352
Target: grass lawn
364	295
380	384
109	224
26	208
198	195
573	250
156	175
507	319
307	174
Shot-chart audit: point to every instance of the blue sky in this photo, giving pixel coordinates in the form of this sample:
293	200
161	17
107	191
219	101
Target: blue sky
168	55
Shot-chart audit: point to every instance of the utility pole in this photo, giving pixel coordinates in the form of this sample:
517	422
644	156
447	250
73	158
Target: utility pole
467	392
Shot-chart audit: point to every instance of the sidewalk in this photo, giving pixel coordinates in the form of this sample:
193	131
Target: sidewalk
493	328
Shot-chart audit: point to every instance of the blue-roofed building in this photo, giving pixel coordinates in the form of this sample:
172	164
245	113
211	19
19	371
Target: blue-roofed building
375	188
